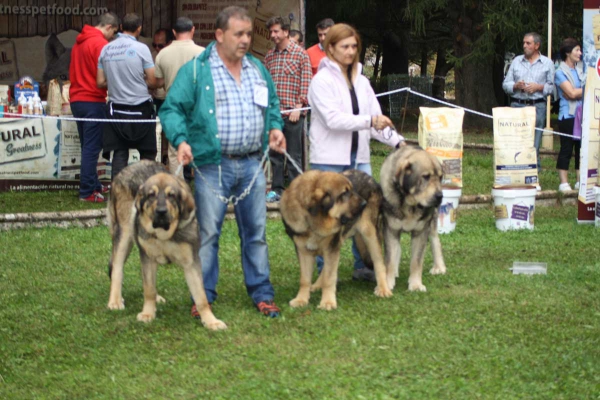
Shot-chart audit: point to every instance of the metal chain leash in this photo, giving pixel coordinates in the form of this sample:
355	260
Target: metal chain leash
233	199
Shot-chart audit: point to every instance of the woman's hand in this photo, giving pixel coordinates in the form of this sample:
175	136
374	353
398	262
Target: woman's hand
380	122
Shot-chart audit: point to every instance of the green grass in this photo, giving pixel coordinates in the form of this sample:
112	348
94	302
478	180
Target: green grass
479	331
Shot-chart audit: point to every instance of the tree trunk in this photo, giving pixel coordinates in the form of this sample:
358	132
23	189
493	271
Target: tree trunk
377	60
424	61
442	67
474	77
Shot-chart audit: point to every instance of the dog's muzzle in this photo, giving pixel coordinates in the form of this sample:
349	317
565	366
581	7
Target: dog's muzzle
438	198
161	219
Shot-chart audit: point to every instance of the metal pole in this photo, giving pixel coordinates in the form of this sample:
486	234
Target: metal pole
547	137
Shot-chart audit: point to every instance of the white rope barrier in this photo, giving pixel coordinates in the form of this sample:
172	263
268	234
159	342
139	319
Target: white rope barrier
400	90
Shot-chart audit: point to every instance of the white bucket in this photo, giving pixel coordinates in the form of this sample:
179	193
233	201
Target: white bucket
514	208
597	212
447	210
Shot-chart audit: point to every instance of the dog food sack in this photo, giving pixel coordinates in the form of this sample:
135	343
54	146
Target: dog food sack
440	134
515	160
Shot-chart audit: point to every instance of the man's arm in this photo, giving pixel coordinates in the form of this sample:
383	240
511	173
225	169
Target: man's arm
101	79
150	78
160	82
509	84
180	101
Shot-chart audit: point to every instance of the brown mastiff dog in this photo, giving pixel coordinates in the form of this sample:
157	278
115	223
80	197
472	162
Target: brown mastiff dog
157	210
322	209
412	190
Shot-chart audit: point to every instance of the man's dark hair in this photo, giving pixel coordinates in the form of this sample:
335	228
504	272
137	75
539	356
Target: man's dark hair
131	22
169	37
183	24
536	37
298	34
109	19
325	23
236	12
285	25
567	46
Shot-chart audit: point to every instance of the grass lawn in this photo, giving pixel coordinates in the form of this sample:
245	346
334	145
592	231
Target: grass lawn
478	332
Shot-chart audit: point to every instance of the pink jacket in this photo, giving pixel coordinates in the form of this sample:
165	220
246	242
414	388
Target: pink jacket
332	121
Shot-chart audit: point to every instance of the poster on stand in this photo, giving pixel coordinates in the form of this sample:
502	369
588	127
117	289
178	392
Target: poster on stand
590	135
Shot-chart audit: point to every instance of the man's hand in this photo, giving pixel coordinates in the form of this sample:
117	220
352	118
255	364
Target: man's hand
294	116
533	87
184	153
276	141
519	85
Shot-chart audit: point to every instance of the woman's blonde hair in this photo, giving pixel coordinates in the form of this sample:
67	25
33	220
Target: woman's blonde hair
336	34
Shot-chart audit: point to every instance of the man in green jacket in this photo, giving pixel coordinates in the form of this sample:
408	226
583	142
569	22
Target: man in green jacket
222	112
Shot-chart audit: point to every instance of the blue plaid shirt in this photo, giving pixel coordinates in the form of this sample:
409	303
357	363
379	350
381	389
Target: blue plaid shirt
239	118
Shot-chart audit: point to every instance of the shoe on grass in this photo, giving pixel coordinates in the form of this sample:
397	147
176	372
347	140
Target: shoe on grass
538	187
95	197
564	187
576	187
273	197
364	274
268	308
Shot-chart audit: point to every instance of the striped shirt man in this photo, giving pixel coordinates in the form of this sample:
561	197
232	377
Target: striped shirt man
239	118
540	71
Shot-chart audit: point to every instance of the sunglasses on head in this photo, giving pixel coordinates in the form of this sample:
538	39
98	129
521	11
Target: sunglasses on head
158	45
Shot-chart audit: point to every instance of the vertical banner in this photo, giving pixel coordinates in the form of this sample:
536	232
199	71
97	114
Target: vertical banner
204	13
590	134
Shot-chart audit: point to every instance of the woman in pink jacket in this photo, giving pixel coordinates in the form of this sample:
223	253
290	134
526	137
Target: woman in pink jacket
345	115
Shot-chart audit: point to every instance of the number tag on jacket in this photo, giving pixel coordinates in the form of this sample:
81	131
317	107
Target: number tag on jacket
261	95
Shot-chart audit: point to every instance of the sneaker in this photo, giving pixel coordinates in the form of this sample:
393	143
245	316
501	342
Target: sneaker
564	187
273	197
538	188
105	189
364	274
576	187
268	308
95	197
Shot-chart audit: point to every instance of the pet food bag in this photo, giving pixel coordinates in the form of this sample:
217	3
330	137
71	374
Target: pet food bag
515	159
54	98
440	134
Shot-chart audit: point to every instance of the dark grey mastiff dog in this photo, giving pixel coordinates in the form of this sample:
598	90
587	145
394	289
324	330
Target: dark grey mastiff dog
412	192
157	210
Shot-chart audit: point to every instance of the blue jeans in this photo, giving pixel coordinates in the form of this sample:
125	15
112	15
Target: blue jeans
540	121
358	262
251	216
90	138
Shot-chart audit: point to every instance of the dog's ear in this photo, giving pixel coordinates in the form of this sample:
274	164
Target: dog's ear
404	174
314	205
140	198
187	204
327	202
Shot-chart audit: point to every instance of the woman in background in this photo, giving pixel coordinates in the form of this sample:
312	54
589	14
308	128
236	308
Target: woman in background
568	80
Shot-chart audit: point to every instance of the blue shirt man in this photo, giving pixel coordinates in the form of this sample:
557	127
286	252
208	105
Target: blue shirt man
222	112
529	80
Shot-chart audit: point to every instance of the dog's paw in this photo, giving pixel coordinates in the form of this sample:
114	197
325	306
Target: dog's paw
328	305
160	299
437	270
391	281
216	325
142	317
298	302
116	305
416	287
383	292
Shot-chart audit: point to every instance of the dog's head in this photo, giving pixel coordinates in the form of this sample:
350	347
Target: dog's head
334	198
418	178
164	202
